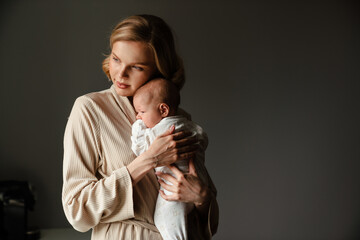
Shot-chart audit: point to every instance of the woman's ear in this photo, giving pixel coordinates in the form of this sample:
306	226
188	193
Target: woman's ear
164	109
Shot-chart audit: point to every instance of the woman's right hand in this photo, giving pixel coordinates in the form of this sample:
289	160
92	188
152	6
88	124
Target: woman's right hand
165	150
171	147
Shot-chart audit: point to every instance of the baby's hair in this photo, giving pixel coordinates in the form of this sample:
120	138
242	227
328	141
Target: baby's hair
163	91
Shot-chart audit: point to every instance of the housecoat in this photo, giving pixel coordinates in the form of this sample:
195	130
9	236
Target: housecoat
97	188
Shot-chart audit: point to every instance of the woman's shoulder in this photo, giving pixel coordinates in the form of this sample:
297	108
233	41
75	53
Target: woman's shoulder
105	103
99	98
95	96
89	102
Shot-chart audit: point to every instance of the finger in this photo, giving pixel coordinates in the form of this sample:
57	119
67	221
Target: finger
185	156
182	135
168	132
187	141
176	172
166	197
166	186
187	149
166	176
162	194
192	169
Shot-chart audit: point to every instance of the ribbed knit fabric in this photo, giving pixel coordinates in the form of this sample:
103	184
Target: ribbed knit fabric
97	188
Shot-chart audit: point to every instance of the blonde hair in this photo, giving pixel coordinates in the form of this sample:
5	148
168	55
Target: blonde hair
157	34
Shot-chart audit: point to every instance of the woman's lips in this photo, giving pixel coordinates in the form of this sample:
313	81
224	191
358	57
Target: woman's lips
122	85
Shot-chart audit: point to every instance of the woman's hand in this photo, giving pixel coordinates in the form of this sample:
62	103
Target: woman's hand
171	147
185	187
165	150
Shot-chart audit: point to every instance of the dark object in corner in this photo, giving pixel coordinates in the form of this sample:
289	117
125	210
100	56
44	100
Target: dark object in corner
16	198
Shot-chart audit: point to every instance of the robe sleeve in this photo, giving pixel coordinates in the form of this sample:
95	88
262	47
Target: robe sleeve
213	214
86	197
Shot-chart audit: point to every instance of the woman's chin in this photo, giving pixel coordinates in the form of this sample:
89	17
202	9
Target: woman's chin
124	92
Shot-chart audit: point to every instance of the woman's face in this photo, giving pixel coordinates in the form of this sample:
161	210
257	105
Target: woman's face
131	65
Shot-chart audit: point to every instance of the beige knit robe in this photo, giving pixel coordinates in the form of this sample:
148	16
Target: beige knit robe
97	188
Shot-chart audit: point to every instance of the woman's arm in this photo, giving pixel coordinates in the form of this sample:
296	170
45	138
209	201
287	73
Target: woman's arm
88	199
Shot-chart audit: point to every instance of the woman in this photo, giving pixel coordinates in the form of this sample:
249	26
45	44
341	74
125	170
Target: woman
106	187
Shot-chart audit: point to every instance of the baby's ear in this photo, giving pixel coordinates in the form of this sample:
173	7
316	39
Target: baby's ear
164	109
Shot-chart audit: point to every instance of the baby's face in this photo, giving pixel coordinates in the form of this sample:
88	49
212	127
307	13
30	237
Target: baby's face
147	111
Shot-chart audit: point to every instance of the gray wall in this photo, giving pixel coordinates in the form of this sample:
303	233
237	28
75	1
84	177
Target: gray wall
274	83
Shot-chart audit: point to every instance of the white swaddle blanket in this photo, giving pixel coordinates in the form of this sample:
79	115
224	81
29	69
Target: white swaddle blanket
171	217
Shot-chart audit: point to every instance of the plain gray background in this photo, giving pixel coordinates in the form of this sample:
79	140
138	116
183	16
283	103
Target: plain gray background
274	83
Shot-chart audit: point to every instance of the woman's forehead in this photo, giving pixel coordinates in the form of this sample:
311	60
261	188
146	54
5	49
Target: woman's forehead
133	52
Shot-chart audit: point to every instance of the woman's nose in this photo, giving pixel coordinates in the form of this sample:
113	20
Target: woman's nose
123	72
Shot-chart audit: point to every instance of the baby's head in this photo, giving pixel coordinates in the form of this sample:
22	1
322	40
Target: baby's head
157	99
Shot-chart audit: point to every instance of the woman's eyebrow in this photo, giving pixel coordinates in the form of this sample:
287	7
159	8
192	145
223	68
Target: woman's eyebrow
140	62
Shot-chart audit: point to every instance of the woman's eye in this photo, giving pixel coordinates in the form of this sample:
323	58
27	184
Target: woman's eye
138	68
115	59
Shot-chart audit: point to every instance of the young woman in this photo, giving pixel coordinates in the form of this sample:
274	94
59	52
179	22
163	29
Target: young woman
106	187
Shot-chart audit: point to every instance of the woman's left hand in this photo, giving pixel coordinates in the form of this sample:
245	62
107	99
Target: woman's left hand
186	187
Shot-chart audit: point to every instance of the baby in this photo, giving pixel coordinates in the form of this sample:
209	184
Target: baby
156	104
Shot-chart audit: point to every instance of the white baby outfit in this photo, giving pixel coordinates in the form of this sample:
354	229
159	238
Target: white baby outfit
170	217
